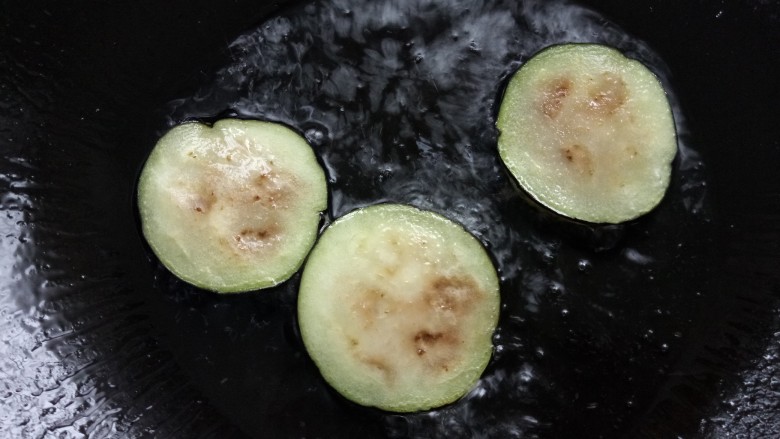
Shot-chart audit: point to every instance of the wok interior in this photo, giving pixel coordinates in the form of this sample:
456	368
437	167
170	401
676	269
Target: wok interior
97	340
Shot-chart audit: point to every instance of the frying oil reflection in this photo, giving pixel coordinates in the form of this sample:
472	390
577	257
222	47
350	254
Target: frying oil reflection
398	99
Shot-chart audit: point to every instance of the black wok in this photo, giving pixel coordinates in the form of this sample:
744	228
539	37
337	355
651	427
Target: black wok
668	326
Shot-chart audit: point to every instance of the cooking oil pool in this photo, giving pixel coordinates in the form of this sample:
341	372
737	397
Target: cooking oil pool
398	98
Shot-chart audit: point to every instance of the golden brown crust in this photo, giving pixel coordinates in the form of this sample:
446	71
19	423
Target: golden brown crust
553	95
431	321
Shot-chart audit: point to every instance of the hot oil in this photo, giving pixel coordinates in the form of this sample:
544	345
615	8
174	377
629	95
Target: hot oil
398	99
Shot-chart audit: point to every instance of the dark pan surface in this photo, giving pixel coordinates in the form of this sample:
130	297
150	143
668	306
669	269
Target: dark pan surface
666	326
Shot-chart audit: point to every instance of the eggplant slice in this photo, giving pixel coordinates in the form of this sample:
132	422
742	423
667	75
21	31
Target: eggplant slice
397	307
233	207
588	132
